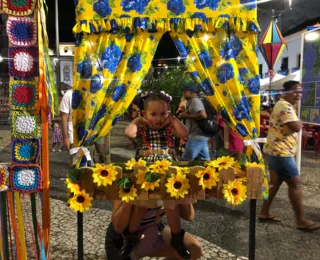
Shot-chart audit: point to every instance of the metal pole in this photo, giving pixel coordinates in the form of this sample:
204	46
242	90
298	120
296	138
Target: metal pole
57	65
80	235
252	230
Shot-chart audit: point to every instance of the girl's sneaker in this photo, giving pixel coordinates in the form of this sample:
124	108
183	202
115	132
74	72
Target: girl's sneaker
53	150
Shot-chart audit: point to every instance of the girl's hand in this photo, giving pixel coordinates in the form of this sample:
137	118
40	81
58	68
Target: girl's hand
141	121
170	120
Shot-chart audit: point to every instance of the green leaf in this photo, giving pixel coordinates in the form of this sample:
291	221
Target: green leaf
223	152
243	161
195	163
125	183
74	175
152	176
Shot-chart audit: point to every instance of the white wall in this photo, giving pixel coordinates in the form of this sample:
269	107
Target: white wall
292	52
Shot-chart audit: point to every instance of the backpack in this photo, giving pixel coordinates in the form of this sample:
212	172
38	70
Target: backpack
210	124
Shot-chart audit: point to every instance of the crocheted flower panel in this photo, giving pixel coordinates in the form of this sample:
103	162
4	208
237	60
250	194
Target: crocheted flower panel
19	7
23	62
4	178
22	31
26	179
25	151
23	95
24	125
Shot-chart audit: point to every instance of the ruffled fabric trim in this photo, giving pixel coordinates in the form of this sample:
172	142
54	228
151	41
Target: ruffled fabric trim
180	25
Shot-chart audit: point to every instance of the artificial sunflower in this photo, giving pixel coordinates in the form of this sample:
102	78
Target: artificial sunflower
224	162
160	166
254	164
133	163
235	192
128	194
145	183
178	185
81	201
183	170
72	187
237	167
104	175
208	178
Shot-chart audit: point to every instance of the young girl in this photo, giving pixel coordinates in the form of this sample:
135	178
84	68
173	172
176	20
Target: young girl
155	132
56	137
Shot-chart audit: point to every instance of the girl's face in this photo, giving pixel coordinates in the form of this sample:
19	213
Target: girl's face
156	113
56	125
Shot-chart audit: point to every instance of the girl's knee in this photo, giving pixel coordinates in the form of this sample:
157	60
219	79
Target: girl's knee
195	248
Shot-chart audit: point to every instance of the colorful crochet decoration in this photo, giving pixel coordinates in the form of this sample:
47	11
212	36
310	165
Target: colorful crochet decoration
23	95
4	178
23	62
19	7
26	179
22	31
24	125
25	151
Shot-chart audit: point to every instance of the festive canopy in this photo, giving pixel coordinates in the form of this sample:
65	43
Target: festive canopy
272	44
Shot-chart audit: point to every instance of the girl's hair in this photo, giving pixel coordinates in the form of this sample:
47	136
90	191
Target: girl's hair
162	96
289	84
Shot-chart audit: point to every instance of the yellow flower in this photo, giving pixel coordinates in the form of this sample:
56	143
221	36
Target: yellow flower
104	175
128	194
208	178
254	164
237	167
183	170
81	201
224	162
146	185
160	166
133	163
235	192
73	187
178	185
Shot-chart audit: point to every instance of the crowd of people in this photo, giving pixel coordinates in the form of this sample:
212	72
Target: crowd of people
137	230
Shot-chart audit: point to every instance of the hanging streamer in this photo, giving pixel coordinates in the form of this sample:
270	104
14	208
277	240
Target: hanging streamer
4	230
21	226
34	220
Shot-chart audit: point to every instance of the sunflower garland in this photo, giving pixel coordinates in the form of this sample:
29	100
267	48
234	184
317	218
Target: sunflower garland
160	166
81	201
208	178
72	187
235	192
131	164
128	195
178	185
104	175
148	180
254	164
224	162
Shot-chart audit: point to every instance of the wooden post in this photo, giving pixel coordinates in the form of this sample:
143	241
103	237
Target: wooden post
107	147
226	136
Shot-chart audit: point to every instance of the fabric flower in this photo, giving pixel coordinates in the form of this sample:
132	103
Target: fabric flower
119	92
176	6
133	163
194	74
76	99
111	58
224	162
81	201
96	83
160	166
207	87
72	187
254	85
104	174
102	8
178	186
95	119
249	4
211	4
242	129
226	52
145	184
235	44
205	59
200	15
134	63
242	110
208	178
242	73
128	195
183	51
137	5
81	132
234	192
85	69
224	114
225	73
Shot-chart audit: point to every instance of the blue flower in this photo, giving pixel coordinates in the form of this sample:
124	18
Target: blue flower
102	8
119	92
242	110
129	35
254	85
225	116
134	63
250	4
115	121
225	72
85	69
226	52
76	99
190	33
176	6
236	45
151	37
242	72
200	15
137	5
253	27
207	87
205	59
242	129
81	132
183	51
111	58
95	119
194	74
211	4
96	83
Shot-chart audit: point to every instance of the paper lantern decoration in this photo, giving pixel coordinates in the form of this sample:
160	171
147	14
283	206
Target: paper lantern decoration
25	151
19	7
23	62
22	31
4	178
24	125
26	178
23	95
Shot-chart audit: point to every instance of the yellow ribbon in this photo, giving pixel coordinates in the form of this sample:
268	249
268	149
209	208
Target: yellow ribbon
21	227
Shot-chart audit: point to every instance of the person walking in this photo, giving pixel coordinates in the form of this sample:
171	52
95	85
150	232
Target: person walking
281	148
197	144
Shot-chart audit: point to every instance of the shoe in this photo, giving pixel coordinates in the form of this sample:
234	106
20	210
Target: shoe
60	150
129	242
53	150
179	246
